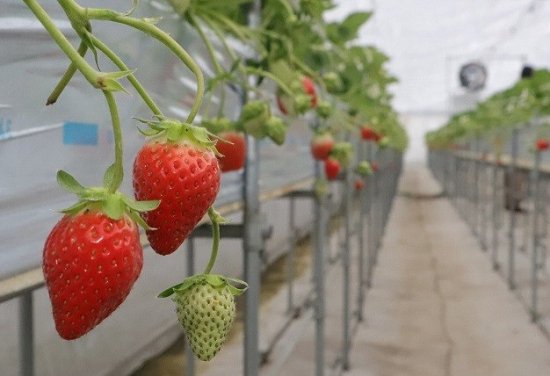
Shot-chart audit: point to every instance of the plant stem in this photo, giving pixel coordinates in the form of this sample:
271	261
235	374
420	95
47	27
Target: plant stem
193	21
118	174
272	77
131	77
214	217
82	65
69	73
149	28
228	49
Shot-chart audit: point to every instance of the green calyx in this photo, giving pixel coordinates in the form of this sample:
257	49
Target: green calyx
333	82
384	142
114	205
220	125
235	286
342	152
364	169
175	131
253	117
324	109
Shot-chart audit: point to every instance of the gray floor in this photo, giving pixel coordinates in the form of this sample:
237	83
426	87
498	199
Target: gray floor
435	308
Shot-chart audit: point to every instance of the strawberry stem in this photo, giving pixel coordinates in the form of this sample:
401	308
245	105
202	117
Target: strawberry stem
81	64
118	170
131	77
71	70
215	218
146	26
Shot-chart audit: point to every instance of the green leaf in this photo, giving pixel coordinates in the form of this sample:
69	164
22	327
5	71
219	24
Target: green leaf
140	221
109	176
141	206
74	209
214	280
113	206
69	183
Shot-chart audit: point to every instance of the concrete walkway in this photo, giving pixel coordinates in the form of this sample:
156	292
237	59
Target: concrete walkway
436	307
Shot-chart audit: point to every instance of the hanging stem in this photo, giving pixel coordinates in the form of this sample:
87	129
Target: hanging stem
71	70
118	169
215	218
272	77
228	49
131	77
217	66
147	27
80	63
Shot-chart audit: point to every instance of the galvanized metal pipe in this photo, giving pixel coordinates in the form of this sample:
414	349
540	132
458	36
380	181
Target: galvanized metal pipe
348	212
189	356
495	218
26	334
291	258
319	215
512	225
535	239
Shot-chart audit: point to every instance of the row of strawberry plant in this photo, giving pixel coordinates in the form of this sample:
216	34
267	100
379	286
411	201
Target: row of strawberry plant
93	255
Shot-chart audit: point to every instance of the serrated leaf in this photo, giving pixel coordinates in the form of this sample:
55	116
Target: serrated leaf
69	183
113	206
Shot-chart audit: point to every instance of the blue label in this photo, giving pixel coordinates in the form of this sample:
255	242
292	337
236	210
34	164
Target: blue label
80	133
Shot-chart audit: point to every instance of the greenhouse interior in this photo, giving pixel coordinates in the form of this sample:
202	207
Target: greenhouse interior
274	187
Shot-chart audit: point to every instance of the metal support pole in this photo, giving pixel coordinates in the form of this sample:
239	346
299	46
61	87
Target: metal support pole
361	238
252	241
495	218
483	204
370	220
512	228
348	210
253	245
26	334
319	215
291	255
535	239
189	356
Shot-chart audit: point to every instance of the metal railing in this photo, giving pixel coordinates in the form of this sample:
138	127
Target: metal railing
504	200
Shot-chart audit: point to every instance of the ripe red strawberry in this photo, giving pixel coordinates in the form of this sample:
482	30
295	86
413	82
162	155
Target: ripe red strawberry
374	166
232	150
90	264
332	168
369	134
321	146
543	144
359	184
185	178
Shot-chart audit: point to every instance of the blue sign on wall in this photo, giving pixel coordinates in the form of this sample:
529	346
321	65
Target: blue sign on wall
80	133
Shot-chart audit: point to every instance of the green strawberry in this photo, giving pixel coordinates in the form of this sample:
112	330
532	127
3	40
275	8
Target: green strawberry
275	129
205	306
253	117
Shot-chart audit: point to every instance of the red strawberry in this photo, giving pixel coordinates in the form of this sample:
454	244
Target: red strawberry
332	168
374	166
543	144
90	264
369	134
359	184
232	150
321	146
186	179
